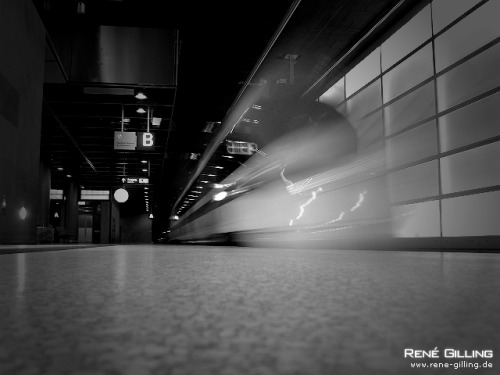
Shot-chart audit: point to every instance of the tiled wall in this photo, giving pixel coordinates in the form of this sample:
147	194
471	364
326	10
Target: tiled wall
430	93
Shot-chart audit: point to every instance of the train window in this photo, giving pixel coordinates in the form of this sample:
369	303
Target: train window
420	181
471	169
412	145
445	12
410	109
476	122
473	77
408	74
472	215
407	38
364	72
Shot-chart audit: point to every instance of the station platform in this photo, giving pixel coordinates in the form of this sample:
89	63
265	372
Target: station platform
12	249
165	309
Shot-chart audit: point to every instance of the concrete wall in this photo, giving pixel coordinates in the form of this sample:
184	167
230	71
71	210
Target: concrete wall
22	48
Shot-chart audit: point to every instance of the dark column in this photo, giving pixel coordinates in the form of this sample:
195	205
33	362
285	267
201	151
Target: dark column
22	47
105	221
44	184
71	213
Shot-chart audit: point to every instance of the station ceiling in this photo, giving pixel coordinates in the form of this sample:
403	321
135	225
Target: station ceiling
195	61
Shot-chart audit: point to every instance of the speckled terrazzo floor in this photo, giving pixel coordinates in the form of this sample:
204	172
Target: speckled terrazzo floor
158	309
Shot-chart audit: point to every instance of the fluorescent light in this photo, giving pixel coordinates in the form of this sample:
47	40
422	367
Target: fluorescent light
144	161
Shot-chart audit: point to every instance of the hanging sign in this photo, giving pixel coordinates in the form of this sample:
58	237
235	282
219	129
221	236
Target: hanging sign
145	141
125	141
135	180
241	148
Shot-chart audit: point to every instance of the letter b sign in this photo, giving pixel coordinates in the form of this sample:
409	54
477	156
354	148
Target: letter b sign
145	141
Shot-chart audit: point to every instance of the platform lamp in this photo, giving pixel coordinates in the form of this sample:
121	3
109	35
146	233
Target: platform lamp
121	195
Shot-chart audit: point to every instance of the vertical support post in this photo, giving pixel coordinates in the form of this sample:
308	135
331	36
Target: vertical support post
291	68
123	117
148	121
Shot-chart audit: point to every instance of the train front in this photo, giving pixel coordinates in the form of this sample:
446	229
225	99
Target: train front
303	178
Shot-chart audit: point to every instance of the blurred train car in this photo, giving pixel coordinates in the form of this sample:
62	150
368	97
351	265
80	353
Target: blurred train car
309	186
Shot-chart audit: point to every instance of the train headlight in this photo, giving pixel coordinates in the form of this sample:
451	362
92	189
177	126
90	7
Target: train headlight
220	196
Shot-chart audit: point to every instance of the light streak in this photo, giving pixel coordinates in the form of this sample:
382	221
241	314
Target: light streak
303	206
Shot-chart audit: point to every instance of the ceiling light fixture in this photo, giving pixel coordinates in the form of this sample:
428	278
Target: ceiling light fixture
141	110
140	95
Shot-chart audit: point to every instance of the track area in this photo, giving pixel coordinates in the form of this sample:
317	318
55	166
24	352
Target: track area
164	309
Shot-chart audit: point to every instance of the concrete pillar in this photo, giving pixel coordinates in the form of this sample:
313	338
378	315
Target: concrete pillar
22	47
71	212
105	222
44	184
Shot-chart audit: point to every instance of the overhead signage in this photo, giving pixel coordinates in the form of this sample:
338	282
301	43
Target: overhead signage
135	180
125	141
241	148
145	141
131	141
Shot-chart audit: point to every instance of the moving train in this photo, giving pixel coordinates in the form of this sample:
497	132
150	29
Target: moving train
310	184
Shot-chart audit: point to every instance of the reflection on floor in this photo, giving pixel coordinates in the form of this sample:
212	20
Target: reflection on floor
158	309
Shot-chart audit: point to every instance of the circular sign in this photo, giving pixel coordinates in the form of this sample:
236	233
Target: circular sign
121	195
